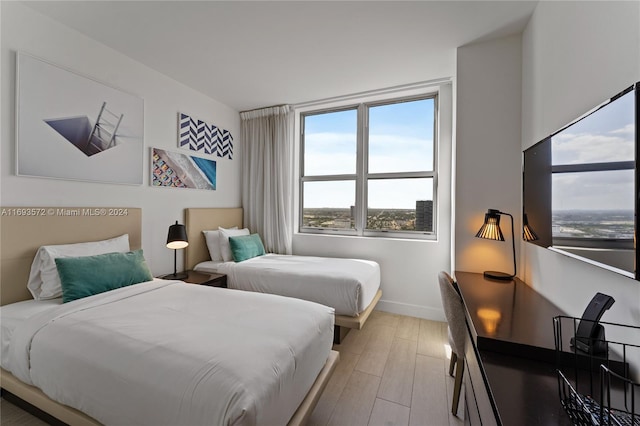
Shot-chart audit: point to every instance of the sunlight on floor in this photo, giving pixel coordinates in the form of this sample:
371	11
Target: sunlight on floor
447	350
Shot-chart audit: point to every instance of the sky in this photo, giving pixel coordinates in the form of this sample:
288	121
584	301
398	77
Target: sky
400	140
604	136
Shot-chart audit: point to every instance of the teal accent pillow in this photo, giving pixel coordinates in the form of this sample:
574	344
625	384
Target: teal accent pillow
245	247
88	275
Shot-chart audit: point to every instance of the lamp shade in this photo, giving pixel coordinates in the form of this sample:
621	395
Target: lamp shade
527	232
177	237
490	229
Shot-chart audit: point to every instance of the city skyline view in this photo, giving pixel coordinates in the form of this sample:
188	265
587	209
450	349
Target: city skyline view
593	224
420	218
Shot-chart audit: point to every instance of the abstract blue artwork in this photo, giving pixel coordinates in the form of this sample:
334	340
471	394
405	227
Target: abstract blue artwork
181	171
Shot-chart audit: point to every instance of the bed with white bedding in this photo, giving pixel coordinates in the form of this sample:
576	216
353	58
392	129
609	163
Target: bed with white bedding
350	286
347	285
155	352
132	355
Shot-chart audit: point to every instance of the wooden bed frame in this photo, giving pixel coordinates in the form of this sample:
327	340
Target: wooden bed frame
24	229
200	219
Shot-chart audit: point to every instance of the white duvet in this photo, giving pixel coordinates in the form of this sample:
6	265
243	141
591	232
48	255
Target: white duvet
347	285
170	353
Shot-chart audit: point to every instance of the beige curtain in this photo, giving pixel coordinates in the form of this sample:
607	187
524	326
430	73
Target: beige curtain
267	138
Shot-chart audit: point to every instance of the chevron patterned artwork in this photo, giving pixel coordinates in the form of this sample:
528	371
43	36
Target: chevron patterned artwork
199	136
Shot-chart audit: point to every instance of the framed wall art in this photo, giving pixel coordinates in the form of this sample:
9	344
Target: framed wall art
175	170
197	135
73	127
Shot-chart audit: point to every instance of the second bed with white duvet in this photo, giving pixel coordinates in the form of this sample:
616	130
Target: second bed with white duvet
347	285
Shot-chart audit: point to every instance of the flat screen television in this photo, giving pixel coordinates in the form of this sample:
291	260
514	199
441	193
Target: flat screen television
580	186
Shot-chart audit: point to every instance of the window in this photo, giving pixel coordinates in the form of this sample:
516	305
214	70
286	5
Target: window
593	179
370	169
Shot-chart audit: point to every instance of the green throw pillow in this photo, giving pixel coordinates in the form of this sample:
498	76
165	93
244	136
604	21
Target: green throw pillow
245	247
89	275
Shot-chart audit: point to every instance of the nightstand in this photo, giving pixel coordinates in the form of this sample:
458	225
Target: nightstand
206	278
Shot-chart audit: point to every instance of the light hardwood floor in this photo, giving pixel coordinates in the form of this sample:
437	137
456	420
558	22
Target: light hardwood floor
392	372
395	371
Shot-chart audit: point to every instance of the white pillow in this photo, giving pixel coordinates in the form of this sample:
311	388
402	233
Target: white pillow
44	282
225	250
213	244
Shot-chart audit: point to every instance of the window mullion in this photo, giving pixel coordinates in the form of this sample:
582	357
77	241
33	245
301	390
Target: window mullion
361	192
400	175
328	178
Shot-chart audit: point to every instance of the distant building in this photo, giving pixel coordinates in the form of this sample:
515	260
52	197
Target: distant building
424	215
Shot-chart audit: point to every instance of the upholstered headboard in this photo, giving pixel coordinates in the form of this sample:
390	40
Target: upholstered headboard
202	219
24	229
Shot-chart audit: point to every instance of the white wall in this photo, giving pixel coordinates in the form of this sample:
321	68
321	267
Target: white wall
488	155
576	55
27	31
409	268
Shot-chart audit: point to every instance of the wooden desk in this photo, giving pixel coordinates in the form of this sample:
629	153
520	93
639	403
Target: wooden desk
510	377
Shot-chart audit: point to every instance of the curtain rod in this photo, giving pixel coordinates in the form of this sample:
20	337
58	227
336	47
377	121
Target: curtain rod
258	109
402	87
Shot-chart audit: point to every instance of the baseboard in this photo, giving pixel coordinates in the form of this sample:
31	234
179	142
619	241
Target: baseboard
411	310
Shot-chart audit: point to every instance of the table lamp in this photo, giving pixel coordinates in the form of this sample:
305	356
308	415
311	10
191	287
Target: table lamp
176	240
490	230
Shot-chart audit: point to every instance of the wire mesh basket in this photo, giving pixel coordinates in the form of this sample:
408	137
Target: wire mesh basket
598	379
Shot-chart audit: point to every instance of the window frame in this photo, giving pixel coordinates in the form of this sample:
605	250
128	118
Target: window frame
361	177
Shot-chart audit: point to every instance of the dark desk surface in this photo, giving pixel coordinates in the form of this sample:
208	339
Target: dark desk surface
509	316
512	325
525	391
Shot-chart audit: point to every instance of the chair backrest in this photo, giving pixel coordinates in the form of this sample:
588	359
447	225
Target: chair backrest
453	311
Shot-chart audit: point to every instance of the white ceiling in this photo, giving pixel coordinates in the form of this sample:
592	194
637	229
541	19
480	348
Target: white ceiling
251	54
